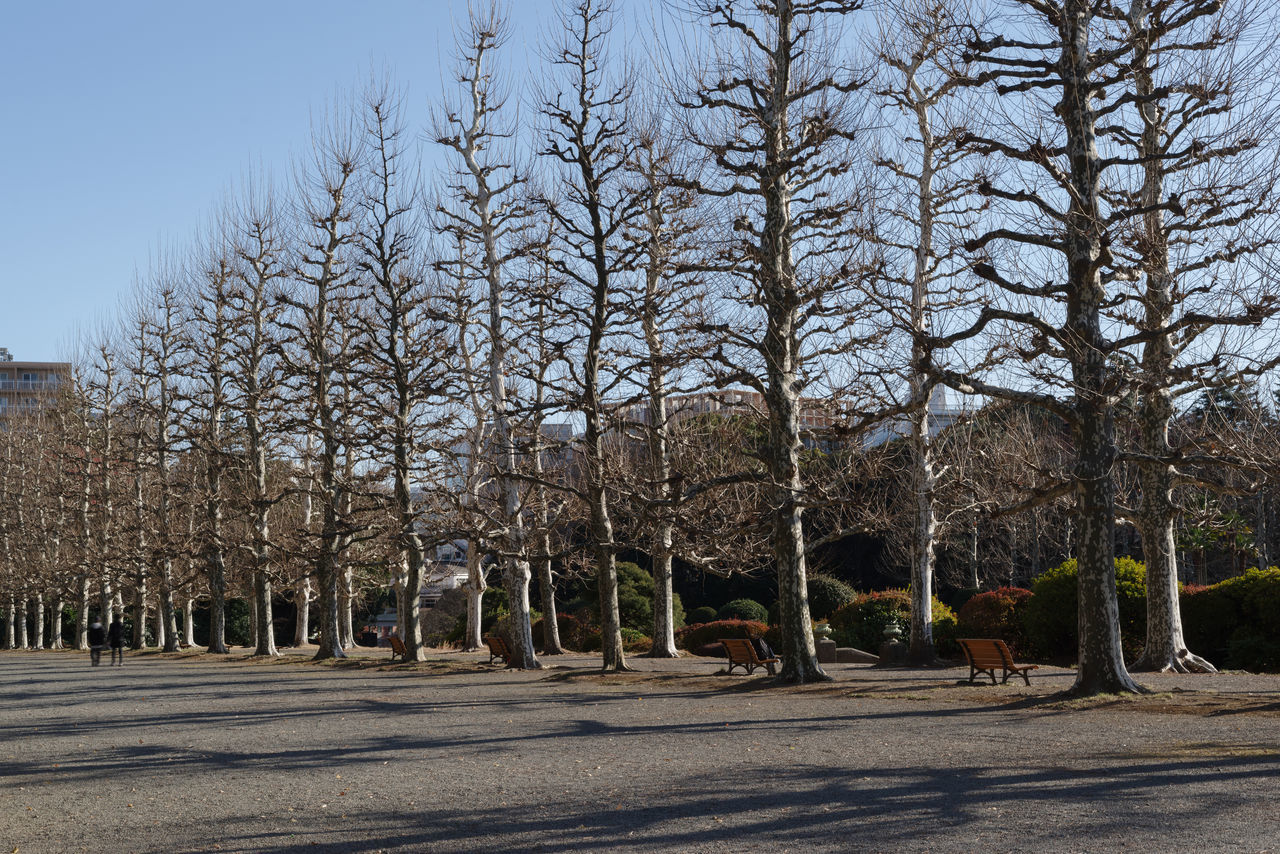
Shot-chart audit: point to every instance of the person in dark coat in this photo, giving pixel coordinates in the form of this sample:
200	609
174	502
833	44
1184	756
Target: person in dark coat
115	639
97	640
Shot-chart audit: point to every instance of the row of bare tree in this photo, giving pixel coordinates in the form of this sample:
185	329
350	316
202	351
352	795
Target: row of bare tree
1059	205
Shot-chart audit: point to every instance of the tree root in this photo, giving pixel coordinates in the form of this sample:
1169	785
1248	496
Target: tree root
1179	661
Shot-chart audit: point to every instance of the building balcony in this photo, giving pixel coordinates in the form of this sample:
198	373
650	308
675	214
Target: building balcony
28	385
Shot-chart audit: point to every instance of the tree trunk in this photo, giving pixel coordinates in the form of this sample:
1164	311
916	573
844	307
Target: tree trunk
189	621
106	601
779	294
162	626
347	633
475	595
302	602
330	645
82	617
167	613
412	632
266	636
920	649
517	577
547	588
55	623
1101	661
1166	650
253	616
39	623
23	643
140	611
664	629
217	573
10	615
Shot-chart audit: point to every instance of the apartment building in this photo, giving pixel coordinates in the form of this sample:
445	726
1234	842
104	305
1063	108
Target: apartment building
818	419
25	386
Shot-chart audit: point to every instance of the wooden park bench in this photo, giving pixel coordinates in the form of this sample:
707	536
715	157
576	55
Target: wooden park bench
498	649
742	654
398	648
986	655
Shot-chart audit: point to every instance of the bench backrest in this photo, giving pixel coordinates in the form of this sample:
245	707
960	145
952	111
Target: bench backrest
987	652
496	644
740	649
397	646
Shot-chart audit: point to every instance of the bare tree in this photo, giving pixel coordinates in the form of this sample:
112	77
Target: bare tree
1064	96
1199	135
588	140
490	216
402	346
665	313
213	324
923	79
322	275
772	111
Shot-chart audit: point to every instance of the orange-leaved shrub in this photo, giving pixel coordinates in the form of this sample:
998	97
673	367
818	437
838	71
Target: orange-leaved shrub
703	639
996	614
575	634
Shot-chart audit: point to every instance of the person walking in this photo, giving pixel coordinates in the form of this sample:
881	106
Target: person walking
97	640
115	639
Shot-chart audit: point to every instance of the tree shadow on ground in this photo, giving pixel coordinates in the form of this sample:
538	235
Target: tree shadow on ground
806	808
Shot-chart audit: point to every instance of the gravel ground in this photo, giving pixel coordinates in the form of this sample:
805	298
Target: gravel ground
197	753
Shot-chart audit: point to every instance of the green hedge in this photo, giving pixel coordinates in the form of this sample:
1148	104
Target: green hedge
635	600
828	595
862	622
701	614
1051	614
1236	623
744	609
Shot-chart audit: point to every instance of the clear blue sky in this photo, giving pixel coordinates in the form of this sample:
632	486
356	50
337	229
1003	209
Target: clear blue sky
125	123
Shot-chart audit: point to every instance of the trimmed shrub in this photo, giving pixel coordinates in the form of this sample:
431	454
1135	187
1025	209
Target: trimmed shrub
1236	623
1051	614
828	595
635	600
572	631
238	624
502	627
946	628
701	614
438	622
703	639
743	609
493	607
862	622
996	614
634	640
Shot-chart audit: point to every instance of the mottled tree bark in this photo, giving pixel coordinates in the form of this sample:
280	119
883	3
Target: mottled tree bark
1165	650
10	616
470	135
1101	659
302	602
475	588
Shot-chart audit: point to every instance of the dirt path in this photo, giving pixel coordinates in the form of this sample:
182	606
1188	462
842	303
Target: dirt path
178	755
